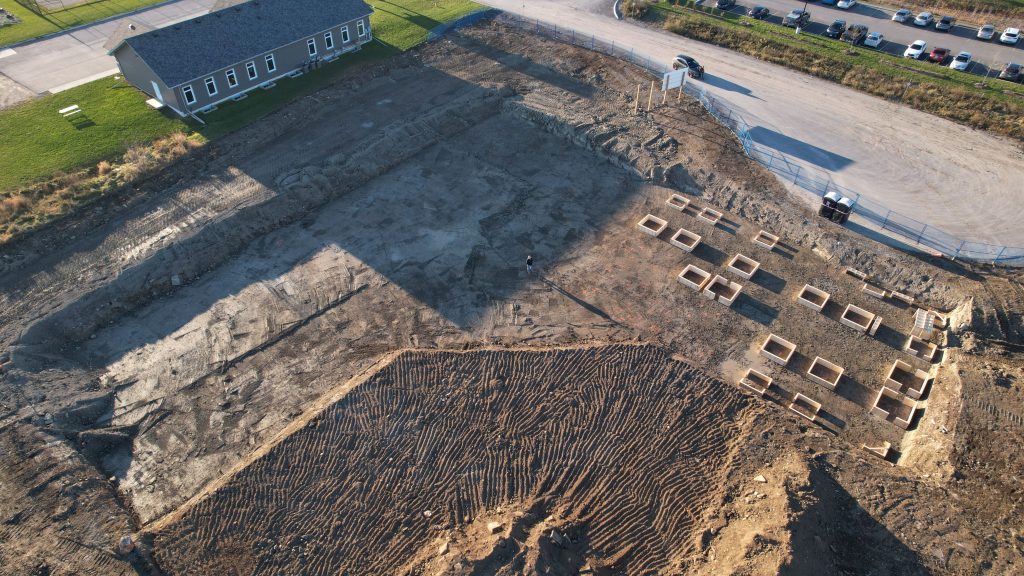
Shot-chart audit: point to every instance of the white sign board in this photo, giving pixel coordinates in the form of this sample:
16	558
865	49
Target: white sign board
674	79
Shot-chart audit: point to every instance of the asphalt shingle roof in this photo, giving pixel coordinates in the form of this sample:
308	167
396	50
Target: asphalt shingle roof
194	48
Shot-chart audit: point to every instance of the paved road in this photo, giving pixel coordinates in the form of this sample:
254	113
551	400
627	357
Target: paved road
964	181
988	54
73	58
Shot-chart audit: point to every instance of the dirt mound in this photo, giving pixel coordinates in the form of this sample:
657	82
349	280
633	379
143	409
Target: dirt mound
480	453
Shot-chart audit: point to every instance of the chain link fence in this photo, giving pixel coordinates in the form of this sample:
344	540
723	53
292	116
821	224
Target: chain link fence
816	182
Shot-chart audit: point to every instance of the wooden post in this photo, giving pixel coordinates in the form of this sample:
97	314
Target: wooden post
650	97
636	104
680	98
664	96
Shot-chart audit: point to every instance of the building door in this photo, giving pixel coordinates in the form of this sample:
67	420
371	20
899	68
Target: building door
156	92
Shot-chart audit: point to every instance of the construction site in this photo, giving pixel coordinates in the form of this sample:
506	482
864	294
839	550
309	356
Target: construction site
316	348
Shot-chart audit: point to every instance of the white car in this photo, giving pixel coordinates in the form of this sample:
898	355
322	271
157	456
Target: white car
961	61
874	39
924	19
915	50
1010	36
902	15
986	32
846	4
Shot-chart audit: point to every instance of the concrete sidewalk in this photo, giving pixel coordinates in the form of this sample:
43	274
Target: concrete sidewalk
66	60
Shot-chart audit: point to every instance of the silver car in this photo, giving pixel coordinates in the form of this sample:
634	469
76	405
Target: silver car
986	32
902	15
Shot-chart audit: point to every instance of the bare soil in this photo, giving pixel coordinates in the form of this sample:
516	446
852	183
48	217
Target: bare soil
177	338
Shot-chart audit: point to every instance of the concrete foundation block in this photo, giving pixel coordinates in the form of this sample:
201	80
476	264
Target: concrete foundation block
874	326
678	202
694	277
756	382
907	379
766	240
685	240
825	373
857	318
813	298
890	404
872	290
902	297
723	290
652	225
805	407
921	348
777	349
743	266
882	450
857	274
709	215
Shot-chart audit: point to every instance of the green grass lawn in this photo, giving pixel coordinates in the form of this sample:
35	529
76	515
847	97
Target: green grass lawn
33	25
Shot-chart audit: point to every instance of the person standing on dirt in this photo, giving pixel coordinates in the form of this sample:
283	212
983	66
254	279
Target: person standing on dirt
529	264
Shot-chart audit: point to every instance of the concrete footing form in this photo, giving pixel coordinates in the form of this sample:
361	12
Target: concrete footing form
907	379
857	318
694	277
709	215
652	225
766	240
805	407
756	382
825	373
678	202
743	266
685	240
891	405
872	290
882	451
813	298
778	350
723	290
921	348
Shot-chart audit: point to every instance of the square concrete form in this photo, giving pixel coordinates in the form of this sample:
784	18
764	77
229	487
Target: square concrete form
890	402
709	215
903	375
694	277
723	290
805	407
921	348
882	451
766	240
857	318
756	382
685	239
857	274
872	290
778	350
743	266
677	202
813	298
652	225
825	373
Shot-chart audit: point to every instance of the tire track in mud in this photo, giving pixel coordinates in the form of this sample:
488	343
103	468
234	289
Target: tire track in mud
620	438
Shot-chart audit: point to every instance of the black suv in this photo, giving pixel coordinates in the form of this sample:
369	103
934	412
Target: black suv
725	4
855	34
836	29
1011	72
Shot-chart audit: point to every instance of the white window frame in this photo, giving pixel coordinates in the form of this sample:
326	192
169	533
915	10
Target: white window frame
231	77
271	63
345	38
328	40
311	46
208	82
361	28
189	94
250	70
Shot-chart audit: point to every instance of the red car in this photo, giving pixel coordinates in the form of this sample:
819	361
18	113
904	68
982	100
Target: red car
938	55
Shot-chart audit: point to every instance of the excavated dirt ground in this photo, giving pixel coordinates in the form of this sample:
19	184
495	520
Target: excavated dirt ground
162	348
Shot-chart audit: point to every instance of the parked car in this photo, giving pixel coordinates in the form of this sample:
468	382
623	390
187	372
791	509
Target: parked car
836	29
961	61
1010	36
828	1
986	32
915	49
938	55
855	34
945	23
1012	72
684	61
798	17
902	15
758	12
725	4
924	19
846	4
874	39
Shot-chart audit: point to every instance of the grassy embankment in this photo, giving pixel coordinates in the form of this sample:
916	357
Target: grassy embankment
49	166
33	25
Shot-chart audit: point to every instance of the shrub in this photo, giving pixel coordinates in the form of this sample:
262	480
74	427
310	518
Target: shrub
103	168
635	8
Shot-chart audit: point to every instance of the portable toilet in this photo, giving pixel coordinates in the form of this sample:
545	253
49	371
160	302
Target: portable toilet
828	204
842	210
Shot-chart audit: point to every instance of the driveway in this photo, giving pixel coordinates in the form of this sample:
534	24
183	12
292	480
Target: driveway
961	180
72	58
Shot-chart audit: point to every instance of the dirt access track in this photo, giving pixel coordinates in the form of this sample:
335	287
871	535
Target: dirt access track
171	345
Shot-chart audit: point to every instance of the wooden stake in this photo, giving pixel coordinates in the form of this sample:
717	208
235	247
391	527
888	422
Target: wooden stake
680	98
650	97
636	104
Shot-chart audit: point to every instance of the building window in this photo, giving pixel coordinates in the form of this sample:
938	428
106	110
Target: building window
250	69
311	44
360	29
271	65
211	86
344	34
329	40
190	96
232	79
